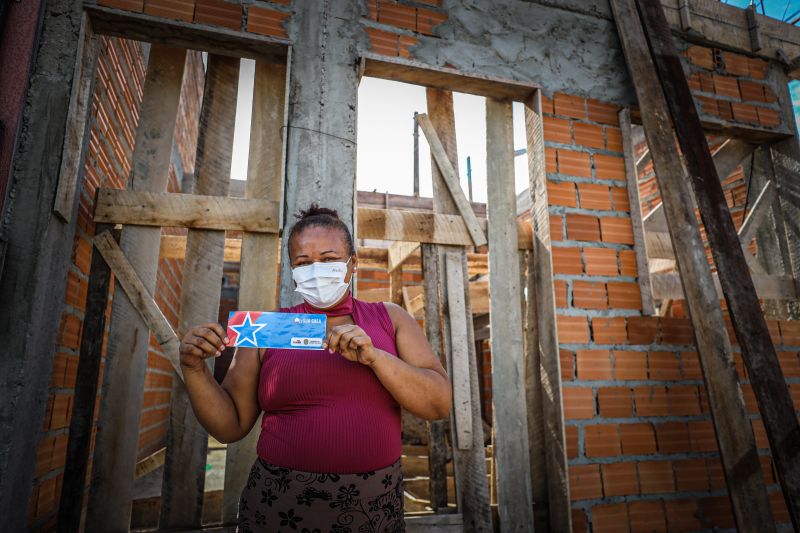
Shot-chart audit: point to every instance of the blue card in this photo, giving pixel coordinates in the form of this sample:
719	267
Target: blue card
259	329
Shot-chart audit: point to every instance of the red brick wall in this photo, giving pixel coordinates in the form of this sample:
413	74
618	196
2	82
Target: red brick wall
114	115
640	441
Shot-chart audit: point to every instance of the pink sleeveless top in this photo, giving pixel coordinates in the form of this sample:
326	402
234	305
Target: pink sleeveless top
324	413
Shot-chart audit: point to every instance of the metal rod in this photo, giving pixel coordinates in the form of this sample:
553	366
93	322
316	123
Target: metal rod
416	155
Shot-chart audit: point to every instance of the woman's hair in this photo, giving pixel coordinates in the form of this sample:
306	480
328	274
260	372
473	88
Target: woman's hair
316	216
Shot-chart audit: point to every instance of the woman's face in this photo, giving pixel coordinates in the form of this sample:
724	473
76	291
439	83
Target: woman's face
319	244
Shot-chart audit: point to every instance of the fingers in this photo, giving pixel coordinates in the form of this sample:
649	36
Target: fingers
205	340
335	336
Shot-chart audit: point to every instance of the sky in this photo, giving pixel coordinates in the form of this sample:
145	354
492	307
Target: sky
385	151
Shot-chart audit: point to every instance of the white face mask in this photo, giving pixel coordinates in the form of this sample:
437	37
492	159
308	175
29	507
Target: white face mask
321	284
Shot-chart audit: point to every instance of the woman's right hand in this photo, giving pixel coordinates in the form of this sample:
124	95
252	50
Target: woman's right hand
200	342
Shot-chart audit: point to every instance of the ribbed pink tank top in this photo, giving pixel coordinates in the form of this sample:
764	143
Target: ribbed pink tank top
324	413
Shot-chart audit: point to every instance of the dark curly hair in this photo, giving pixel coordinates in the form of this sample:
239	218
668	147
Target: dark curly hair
316	216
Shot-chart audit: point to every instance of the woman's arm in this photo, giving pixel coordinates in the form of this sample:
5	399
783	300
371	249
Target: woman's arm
229	411
416	379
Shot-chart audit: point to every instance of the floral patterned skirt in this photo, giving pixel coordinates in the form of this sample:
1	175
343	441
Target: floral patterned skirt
278	499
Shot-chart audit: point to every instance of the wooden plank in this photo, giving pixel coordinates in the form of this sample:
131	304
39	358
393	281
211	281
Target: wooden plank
756	215
399	251
182	489
450	177
116	444
396	286
510	425
445	78
261	252
734	433
472	495
186	34
84	400
79	102
543	350
198	211
634	201
434	228
434	331
140	297
774	400
667	285
174	247
459	351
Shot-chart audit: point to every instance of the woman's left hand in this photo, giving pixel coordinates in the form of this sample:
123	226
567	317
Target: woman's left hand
353	343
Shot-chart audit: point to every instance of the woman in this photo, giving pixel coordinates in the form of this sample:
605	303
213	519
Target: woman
328	456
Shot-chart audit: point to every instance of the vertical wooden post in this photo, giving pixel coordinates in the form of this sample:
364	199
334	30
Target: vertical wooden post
774	401
434	330
260	251
734	434
542	332
70	507
187	441
117	440
472	489
510	427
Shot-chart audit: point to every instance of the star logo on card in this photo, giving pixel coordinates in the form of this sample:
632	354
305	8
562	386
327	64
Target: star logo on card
246	331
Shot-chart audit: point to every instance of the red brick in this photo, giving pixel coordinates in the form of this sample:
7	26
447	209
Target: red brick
428	19
717	511
556	228
580	522
790	332
790	364
609	330
70	331
127	5
561	193
708	105
691	475
690	366
637	439
584	482
624	295
610	518
701	433
589	295
593	365
630	365
267	21
594	196
676	331
566	358
620	197
583	227
600	261
171	9
602	112
589	135
405	43
656	477
726	86
571	106
613	139
682	515
574	163
664	366
616	229
571	433
757	68
736	64
567	260
701	56
397	15
673	437
724	110
683	400
744	113
601	440
557	130
615	402
642	329
752	91
768	117
572	329
627	263
651	401
647	517
578	403
609	167
620	479
218	13
547	105
560	290
550	160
